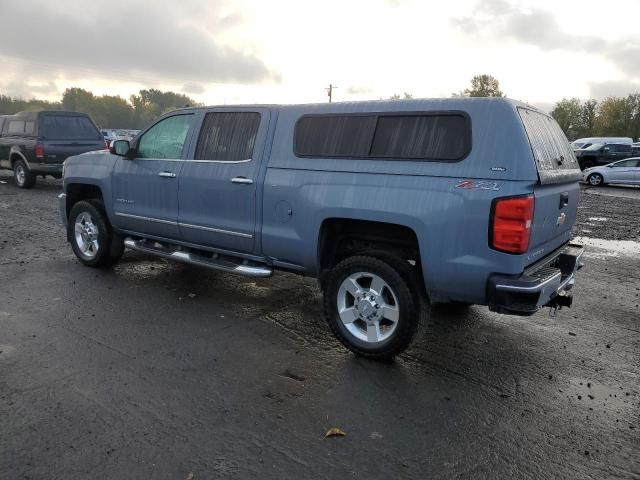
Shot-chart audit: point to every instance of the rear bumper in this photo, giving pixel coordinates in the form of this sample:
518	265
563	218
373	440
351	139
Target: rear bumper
47	168
543	284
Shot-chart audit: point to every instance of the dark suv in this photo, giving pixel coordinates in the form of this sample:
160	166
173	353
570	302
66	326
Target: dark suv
37	143
603	154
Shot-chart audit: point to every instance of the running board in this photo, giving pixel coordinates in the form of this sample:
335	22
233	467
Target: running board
217	262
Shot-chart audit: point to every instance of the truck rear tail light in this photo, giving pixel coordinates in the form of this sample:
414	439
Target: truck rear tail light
511	224
39	150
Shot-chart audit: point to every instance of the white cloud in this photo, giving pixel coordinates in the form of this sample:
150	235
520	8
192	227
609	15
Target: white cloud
243	51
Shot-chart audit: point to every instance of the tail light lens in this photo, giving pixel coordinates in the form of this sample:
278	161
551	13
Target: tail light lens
511	224
39	150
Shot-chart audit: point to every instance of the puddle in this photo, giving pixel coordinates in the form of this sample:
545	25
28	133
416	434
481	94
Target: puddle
600	248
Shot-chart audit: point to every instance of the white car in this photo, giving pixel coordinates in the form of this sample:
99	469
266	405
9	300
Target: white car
623	171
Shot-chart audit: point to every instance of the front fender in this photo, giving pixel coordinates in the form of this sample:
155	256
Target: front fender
92	168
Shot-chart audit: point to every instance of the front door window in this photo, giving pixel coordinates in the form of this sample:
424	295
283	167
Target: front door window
165	140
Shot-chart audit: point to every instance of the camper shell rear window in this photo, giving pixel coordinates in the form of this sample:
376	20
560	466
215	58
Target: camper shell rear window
555	160
426	136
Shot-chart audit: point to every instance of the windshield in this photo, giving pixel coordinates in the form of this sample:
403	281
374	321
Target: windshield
596	146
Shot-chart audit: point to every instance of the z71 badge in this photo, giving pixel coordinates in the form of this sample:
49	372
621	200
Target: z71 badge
478	185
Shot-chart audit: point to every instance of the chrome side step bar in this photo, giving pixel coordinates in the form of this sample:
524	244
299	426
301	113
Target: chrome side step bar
217	262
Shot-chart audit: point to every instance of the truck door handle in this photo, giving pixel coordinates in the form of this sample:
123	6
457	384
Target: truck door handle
167	174
242	180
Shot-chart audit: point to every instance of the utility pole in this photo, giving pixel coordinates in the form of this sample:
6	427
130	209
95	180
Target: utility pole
330	90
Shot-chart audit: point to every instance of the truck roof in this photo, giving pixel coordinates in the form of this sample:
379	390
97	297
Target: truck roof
454	103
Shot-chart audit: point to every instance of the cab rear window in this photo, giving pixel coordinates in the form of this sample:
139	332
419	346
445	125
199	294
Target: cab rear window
64	127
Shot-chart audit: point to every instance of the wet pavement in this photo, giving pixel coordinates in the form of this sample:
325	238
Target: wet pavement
165	371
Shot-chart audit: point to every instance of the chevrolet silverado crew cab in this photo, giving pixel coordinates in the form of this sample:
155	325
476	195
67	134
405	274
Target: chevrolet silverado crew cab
391	205
36	143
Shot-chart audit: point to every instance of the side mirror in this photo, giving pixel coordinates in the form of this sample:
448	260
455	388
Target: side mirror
120	147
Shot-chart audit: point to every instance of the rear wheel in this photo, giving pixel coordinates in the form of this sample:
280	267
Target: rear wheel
371	307
23	177
595	180
91	235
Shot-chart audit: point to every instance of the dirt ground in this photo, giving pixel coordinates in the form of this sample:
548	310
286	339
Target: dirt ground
159	370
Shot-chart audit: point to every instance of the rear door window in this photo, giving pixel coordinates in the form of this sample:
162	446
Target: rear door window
552	152
228	136
68	127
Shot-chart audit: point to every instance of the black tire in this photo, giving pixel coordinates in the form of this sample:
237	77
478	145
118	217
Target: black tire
597	178
397	275
110	246
22	175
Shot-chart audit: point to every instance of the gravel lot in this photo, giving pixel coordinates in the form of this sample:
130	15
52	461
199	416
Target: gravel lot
158	370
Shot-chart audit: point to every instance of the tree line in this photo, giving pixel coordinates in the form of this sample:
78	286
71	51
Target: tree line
611	117
107	111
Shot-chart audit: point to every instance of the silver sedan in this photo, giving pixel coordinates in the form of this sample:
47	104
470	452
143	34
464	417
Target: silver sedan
623	171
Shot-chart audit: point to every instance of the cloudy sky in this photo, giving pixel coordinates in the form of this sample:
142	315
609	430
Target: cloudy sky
286	51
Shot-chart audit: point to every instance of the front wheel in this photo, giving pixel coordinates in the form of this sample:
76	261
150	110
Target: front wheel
595	180
91	236
371	307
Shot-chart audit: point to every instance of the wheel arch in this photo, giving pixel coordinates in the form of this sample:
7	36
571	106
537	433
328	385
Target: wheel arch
340	237
16	155
77	192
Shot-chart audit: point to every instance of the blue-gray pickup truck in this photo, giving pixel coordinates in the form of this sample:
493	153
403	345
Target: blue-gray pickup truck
390	205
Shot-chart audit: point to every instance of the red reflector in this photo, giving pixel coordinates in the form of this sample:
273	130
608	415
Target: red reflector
511	224
39	150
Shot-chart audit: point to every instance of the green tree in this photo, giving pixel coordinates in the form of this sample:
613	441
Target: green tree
78	100
614	117
112	112
588	115
149	104
633	112
405	96
568	114
483	86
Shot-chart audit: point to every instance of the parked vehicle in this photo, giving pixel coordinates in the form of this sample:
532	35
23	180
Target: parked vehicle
582	143
109	135
622	172
602	154
37	143
389	204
